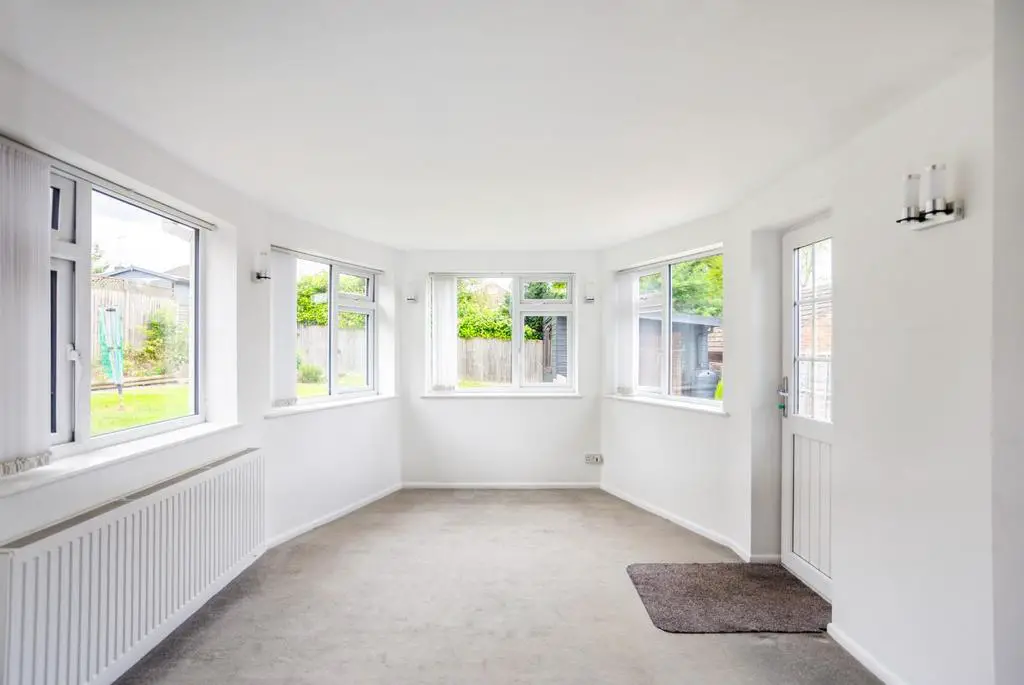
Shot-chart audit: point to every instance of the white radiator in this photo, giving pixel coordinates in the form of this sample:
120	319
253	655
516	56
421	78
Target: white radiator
85	599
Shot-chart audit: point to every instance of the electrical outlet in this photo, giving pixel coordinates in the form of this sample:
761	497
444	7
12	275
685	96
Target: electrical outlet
596	459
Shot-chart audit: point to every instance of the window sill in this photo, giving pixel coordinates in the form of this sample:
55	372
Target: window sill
105	456
671	404
502	396
279	412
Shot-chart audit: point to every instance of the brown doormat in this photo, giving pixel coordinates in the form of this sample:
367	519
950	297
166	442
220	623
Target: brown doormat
728	598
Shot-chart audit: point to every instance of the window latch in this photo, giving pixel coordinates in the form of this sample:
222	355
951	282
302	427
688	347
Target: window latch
73	355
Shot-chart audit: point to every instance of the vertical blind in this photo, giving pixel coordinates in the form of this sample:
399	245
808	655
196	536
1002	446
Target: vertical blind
24	310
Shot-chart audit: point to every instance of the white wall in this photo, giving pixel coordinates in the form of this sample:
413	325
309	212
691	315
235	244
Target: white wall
1008	364
912	530
689	464
498	441
317	463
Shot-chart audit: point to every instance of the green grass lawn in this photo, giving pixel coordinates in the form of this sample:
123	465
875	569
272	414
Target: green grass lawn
152	403
472	383
142	405
310	389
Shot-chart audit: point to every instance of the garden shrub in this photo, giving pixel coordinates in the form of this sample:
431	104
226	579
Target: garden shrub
165	350
311	373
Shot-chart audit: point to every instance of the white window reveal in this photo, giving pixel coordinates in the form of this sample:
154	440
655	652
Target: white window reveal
502	333
324	328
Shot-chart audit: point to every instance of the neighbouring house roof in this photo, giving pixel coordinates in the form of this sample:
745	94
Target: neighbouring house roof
170	276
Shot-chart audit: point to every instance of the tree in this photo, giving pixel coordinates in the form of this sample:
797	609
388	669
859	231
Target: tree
478	315
311	310
311	305
697	286
99	262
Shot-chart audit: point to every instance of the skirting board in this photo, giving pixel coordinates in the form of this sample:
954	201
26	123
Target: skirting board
499	486
687	524
765	559
864	656
333	516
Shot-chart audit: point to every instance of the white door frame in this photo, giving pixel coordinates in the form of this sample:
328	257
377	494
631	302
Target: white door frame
795	425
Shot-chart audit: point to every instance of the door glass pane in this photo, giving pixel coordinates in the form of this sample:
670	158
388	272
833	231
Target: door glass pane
352	344
805	329
823	268
545	350
804	404
485	332
822	330
142	316
813	330
312	321
805	272
822	391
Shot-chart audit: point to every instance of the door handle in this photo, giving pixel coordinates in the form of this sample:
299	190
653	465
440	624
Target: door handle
783	392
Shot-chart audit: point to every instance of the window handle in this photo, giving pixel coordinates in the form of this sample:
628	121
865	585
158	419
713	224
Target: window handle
75	357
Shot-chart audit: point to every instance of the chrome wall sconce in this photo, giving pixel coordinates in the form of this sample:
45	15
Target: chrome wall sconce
937	210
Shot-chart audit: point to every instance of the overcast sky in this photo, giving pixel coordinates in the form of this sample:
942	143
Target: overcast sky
127	235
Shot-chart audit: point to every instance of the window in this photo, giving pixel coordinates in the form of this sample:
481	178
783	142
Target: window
323	328
123	314
813	317
502	333
677	325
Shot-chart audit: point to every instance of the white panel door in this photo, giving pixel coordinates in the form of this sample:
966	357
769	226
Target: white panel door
807	397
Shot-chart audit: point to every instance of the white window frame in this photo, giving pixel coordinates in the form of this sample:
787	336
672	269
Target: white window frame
662	390
338	302
520	308
71	252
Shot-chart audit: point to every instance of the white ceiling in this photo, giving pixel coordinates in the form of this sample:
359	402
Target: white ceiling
530	124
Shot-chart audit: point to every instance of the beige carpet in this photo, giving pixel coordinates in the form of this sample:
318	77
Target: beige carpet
474	587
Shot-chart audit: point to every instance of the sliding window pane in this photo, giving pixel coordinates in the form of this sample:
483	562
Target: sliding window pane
142	312
312	322
545	350
485	332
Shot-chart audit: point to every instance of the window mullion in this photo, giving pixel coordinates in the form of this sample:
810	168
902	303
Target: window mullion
332	326
82	339
666	330
517	333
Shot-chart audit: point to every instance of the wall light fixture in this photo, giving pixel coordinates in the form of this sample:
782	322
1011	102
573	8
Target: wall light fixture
937	208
